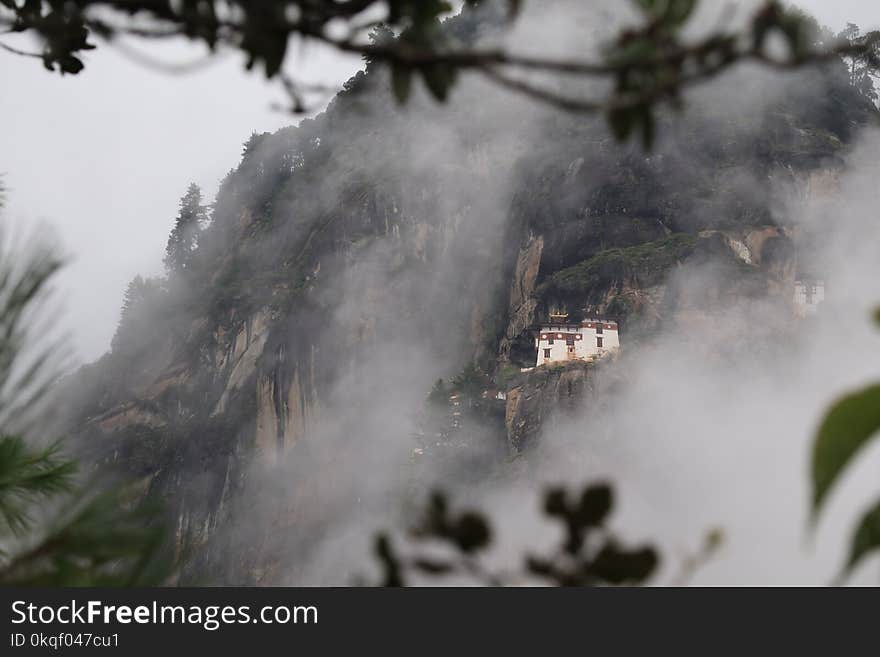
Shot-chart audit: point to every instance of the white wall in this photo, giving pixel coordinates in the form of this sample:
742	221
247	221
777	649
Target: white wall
802	307
585	342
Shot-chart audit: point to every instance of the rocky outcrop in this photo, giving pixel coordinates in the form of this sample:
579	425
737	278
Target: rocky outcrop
238	360
286	411
334	238
543	395
823	183
522	304
130	414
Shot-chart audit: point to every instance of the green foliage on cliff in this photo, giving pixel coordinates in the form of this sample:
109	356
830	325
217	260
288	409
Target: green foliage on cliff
142	304
184	238
506	374
646	264
439	395
471	381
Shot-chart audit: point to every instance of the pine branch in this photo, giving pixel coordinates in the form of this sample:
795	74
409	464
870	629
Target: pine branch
101	538
97	540
26	476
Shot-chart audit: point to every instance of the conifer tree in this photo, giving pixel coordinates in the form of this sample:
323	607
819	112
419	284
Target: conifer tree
862	65
140	303
184	238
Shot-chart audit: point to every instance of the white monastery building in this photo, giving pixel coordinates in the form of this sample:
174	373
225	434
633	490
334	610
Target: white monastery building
560	341
807	297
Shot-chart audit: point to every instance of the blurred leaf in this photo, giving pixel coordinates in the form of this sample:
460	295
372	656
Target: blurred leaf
388	559
632	52
573	563
432	566
713	540
621	123
669	12
435	522
866	539
615	565
439	78
555	503
679	11
472	532
401	82
764	21
539	566
469	532
846	429
595	505
648	6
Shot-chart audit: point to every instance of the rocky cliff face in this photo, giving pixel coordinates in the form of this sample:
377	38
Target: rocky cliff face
353	260
548	394
523	302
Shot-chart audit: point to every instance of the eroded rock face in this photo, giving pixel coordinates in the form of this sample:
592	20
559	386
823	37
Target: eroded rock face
334	235
286	411
522	304
133	413
239	359
543	395
823	184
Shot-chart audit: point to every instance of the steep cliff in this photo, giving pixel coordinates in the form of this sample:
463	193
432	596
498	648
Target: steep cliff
356	258
548	394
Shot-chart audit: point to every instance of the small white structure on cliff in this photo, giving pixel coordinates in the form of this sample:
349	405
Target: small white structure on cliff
560	341
807	297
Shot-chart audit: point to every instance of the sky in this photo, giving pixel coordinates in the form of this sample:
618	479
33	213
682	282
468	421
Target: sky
101	159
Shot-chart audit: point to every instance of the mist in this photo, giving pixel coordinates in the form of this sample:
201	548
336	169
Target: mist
714	424
106	173
102	159
708	423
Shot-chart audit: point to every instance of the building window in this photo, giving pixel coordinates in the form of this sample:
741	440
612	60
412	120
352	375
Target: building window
546	354
600	342
599	328
550	340
569	340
